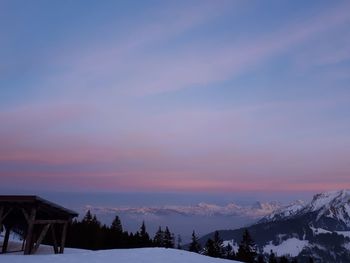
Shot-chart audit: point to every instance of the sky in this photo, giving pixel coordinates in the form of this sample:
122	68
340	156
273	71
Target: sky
174	96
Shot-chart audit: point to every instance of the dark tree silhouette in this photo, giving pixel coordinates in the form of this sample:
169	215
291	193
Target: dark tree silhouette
159	238
247	248
272	257
284	259
228	252
179	242
194	246
145	240
168	238
116	226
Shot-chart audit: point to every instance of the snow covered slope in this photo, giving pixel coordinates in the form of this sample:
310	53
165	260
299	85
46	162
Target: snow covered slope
284	212
331	205
144	255
319	228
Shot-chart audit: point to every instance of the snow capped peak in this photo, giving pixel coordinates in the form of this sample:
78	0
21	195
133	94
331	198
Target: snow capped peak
328	199
332	204
285	211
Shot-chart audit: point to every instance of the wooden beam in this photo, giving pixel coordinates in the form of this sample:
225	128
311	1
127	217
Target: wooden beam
54	239
63	238
41	237
29	237
1	212
26	216
3	216
6	240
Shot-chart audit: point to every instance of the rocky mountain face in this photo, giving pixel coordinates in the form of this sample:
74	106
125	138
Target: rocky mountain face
320	228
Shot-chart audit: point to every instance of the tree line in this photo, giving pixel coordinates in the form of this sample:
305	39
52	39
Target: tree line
90	233
247	250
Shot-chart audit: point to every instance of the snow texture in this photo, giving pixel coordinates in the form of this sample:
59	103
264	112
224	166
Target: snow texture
291	246
332	204
140	255
232	243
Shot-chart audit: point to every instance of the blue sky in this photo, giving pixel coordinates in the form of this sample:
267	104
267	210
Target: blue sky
204	96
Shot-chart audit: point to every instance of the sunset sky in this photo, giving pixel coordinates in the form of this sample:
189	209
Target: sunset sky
174	96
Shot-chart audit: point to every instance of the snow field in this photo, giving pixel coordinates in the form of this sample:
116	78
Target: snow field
140	255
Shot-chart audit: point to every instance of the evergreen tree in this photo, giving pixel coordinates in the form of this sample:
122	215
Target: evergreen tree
95	222
194	246
272	257
209	248
159	238
284	259
294	260
311	260
218	244
261	259
179	242
247	248
144	237
116	226
228	252
168	238
114	235
87	218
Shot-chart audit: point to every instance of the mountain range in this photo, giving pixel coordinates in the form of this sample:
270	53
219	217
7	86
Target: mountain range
255	210
319	228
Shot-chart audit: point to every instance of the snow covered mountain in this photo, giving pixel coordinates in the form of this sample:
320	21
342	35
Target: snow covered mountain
319	228
255	210
333	205
284	212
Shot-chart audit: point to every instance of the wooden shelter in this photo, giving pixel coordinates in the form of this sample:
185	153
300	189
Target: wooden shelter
33	217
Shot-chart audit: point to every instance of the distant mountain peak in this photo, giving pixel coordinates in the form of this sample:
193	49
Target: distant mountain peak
328	199
332	204
319	228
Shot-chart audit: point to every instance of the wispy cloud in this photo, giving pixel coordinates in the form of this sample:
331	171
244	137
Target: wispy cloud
129	68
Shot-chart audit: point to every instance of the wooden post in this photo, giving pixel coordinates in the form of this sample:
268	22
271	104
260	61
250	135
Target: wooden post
41	237
29	237
1	212
3	215
54	239
63	238
6	240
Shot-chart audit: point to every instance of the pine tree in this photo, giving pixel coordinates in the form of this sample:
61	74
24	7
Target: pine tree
168	238
116	226
218	245
194	246
272	257
179	242
144	237
228	252
159	238
261	259
247	248
284	259
311	260
209	248
87	218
